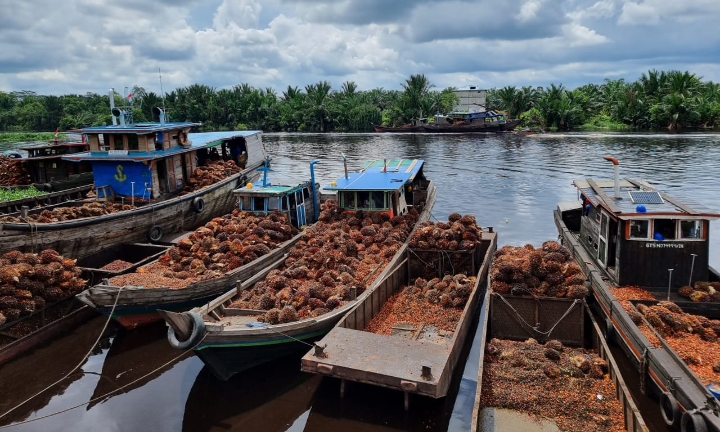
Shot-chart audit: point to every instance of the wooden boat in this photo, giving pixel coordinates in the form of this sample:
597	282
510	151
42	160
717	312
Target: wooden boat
628	233
47	201
458	122
230	340
410	360
569	321
136	305
142	168
46	169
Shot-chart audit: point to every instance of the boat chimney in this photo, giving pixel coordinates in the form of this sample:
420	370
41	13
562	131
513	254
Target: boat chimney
160	113
616	166
345	164
112	106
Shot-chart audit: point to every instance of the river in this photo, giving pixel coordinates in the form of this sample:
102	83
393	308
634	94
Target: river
510	182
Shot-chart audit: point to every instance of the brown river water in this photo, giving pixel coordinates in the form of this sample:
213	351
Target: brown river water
510	182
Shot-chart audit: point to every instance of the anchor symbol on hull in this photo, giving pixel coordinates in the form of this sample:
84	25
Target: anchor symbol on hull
120	176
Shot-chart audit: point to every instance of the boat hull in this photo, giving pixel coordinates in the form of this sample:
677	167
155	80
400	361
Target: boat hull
227	359
471	128
135	306
401	129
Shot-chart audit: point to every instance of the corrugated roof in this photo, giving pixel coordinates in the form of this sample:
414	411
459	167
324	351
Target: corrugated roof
374	176
273	190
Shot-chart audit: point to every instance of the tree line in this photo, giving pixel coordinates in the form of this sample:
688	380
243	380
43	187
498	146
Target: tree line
673	100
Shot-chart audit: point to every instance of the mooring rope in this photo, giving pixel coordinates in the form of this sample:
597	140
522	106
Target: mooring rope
534	328
169	362
73	369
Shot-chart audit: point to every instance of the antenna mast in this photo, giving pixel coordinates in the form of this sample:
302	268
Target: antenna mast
161	89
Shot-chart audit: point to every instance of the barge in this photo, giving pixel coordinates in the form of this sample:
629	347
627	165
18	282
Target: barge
358	240
542	355
627	233
417	357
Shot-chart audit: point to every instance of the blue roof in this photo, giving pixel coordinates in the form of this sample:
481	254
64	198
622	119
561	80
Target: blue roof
374	177
273	190
199	140
139	128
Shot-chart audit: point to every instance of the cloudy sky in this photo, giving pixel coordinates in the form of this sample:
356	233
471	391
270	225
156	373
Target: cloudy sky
78	46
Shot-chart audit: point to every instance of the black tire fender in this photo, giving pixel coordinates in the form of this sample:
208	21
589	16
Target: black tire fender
198	205
669	409
198	329
609	330
693	421
155	233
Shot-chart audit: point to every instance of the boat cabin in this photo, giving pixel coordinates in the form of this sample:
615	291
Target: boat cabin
636	233
156	160
45	164
391	186
299	203
488	117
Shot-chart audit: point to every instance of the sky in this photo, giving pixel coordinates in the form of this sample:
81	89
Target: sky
80	46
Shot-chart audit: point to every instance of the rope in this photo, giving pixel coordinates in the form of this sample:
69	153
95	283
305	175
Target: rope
169	362
76	367
32	226
287	335
534	328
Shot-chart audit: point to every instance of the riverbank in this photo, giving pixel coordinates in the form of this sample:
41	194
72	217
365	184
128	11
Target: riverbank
13	137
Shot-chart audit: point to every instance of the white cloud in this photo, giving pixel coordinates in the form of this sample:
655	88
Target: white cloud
600	9
242	13
578	35
639	14
529	10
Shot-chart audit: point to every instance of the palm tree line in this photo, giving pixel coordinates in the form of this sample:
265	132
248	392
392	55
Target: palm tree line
674	100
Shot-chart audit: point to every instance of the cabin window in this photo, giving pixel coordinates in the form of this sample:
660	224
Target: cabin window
285	205
133	142
347	200
664	229
377	200
259	204
244	203
273	203
306	193
691	229
639	229
105	142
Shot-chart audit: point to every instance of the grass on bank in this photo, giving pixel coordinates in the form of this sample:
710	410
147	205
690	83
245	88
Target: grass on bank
6	137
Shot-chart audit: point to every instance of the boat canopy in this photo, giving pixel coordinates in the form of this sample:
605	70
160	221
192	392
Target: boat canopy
379	175
639	199
199	140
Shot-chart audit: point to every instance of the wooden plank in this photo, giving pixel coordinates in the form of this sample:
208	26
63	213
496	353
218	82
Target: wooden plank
609	202
664	196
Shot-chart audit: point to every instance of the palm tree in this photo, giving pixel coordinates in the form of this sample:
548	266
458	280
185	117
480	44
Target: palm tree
415	89
316	102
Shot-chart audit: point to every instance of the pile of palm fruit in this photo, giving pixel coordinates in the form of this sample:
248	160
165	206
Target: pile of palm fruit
29	281
552	381
59	214
341	253
548	271
459	233
209	174
13	172
223	244
702	292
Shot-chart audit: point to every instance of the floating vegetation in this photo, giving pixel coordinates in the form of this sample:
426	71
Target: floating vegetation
17	193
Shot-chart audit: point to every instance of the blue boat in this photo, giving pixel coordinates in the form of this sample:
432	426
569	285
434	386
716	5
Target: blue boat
155	176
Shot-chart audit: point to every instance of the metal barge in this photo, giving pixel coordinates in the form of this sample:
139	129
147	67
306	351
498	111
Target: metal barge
646	238
569	321
413	360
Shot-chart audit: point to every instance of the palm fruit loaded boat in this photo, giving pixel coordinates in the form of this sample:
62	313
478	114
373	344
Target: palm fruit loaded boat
638	246
214	258
360	237
150	179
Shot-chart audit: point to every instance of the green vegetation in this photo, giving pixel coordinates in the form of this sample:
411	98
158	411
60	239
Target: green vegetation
16	194
673	100
27	136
